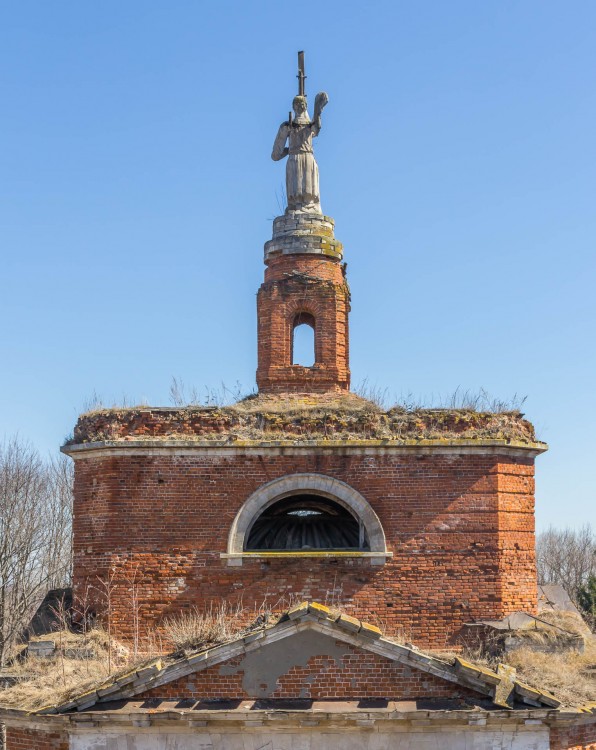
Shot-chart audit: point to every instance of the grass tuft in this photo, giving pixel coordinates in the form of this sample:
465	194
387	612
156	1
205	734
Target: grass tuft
195	629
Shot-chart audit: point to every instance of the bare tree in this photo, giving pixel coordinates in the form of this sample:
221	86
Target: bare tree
566	556
35	522
58	506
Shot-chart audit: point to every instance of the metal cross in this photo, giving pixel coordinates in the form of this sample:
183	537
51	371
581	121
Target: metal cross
301	77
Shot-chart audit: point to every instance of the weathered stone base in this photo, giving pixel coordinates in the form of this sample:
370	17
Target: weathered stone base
322	728
297	232
358	738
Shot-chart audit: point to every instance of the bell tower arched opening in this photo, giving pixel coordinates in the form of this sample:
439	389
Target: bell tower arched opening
304	351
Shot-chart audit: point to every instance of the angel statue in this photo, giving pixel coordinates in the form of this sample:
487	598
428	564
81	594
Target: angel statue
302	172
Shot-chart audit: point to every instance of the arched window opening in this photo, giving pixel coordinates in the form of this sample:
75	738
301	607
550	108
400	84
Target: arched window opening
303	340
307	522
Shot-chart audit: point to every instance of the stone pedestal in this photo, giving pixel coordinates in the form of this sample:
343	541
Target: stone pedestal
297	232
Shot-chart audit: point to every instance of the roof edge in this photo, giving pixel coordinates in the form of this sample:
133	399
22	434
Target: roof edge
161	445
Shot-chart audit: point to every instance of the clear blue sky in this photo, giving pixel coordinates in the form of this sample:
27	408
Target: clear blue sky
457	156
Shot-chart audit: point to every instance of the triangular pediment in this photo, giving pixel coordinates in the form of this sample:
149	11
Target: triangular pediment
309	653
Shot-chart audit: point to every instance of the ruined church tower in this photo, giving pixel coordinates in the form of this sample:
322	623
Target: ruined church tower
420	520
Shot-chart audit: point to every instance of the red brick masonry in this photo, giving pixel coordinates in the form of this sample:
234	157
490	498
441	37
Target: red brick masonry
303	289
460	527
578	737
361	675
32	739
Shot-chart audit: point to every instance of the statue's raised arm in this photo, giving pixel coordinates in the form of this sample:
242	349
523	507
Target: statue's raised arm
321	101
302	172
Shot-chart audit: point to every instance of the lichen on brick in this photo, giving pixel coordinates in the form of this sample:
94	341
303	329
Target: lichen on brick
296	417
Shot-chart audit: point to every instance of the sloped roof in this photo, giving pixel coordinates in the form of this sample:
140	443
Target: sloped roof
553	597
502	688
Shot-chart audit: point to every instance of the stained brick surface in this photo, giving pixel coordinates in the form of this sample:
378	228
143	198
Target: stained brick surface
461	529
358	675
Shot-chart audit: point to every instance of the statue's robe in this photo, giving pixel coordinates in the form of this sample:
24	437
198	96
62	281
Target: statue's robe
302	172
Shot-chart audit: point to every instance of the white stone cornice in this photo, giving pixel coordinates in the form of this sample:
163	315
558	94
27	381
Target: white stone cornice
168	447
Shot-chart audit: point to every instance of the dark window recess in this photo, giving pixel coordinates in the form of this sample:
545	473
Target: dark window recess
305	522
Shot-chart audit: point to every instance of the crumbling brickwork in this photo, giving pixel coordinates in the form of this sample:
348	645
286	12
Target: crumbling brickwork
302	417
460	527
156	501
359	675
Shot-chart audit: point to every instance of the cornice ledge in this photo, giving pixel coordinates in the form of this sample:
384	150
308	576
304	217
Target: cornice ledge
168	445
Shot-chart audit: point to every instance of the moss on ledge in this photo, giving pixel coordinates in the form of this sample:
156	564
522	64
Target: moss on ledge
299	417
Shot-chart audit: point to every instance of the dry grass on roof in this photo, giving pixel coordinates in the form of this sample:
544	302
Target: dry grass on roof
303	417
305	402
194	630
349	416
568	621
42	682
569	673
544	656
539	659
49	681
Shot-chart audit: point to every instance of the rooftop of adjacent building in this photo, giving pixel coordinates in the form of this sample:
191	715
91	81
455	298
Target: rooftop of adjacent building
542	671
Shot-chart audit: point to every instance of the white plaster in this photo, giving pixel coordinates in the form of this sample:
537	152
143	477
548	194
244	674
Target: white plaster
214	449
440	737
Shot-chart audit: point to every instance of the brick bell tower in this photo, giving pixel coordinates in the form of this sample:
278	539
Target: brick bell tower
305	279
424	519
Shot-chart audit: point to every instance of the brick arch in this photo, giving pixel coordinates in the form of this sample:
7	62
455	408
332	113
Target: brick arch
309	309
316	484
307	304
303	317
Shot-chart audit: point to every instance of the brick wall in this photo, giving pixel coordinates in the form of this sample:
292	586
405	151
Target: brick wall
461	529
578	737
360	675
34	739
301	288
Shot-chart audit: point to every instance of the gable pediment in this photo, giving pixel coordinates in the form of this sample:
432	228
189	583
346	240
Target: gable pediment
309	654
